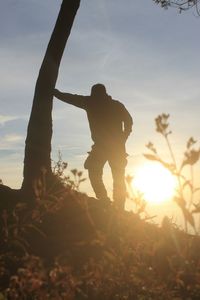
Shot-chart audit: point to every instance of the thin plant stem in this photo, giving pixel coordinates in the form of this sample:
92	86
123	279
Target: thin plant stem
192	185
177	175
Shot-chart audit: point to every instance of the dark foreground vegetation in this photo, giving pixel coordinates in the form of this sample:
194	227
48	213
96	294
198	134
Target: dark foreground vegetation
69	246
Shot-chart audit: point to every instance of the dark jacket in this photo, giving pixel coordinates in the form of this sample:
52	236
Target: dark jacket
109	120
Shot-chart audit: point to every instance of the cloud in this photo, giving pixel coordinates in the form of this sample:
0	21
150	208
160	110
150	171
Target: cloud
11	141
8	118
13	138
4	119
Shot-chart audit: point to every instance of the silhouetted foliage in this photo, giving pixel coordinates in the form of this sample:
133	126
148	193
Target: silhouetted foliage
72	180
188	204
69	246
181	5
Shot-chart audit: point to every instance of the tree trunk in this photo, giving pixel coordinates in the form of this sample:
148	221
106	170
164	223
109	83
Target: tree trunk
39	133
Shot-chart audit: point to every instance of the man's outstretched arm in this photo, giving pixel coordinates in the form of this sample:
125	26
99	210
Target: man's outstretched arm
76	100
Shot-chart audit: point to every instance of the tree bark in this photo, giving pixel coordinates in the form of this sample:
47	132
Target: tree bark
38	142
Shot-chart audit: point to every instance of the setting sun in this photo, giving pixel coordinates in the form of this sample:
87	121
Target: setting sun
155	182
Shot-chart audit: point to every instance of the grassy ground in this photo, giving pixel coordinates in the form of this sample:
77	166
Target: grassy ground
69	246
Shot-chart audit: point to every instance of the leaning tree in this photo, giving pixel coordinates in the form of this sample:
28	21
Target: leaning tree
39	133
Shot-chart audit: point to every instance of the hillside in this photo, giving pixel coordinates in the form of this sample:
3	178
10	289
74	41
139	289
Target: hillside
69	246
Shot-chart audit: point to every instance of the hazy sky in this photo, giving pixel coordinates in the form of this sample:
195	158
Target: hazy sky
146	56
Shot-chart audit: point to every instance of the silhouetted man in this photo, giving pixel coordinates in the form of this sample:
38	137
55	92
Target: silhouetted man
110	125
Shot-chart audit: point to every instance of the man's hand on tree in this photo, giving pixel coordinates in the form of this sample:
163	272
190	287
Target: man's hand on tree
56	93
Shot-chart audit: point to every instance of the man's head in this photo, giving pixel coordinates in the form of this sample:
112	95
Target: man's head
98	90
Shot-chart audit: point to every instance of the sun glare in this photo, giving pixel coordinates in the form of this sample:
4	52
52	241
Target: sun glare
155	182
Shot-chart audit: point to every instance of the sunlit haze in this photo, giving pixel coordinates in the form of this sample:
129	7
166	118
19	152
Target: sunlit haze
155	182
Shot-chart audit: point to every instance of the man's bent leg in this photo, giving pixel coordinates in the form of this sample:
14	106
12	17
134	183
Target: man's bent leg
94	164
95	176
